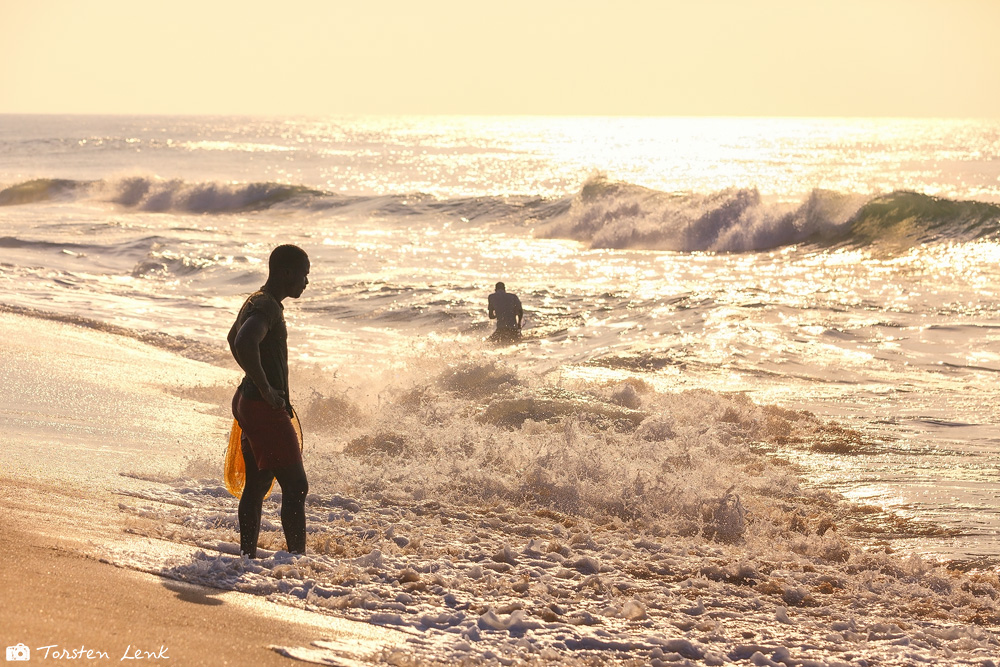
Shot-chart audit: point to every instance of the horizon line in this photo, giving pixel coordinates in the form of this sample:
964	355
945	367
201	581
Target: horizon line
721	116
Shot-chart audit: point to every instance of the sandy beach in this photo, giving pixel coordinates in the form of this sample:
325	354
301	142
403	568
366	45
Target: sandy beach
59	598
61	473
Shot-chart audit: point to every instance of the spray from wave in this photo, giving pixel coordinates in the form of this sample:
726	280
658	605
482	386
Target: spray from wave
479	432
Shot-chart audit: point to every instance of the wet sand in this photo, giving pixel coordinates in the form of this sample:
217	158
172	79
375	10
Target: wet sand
58	597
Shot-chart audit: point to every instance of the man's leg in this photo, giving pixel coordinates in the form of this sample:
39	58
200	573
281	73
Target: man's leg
294	488
251	502
505	336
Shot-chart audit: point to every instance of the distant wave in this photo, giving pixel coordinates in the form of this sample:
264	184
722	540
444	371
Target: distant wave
40	189
157	195
610	214
178	196
603	214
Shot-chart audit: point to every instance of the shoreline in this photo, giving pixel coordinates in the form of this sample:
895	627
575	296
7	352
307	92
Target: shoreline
61	480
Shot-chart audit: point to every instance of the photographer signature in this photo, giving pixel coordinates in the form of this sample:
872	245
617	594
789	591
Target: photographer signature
56	652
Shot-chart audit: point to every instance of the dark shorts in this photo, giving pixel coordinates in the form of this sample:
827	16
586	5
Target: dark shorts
270	433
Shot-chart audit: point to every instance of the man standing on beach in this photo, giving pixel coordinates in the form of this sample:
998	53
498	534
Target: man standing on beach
506	309
270	444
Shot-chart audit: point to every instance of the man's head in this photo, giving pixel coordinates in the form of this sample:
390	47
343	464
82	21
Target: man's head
288	265
501	287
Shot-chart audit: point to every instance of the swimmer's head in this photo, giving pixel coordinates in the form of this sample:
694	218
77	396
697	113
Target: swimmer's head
501	287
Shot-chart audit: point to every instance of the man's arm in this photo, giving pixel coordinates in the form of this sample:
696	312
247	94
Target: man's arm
493	312
520	314
232	341
245	346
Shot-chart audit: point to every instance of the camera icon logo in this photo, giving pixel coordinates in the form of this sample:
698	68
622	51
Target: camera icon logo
18	653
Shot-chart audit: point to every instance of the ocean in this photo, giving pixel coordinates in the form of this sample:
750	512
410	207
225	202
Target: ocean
740	333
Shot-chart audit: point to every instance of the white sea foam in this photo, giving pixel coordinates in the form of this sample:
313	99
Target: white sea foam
578	532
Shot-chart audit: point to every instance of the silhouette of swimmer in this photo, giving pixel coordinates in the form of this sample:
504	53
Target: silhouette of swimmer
506	309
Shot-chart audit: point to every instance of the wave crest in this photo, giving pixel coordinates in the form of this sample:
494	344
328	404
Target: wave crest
38	190
608	214
159	196
908	218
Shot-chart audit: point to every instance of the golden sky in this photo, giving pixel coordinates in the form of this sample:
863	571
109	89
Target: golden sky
578	57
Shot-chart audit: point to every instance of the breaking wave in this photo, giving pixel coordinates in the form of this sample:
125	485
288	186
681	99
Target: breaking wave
609	214
155	195
603	214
